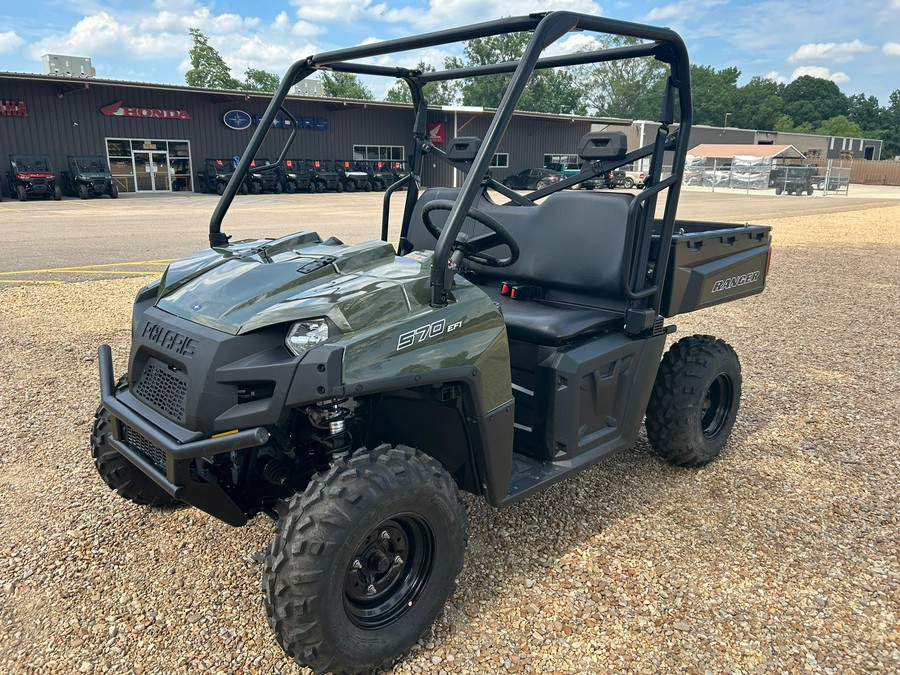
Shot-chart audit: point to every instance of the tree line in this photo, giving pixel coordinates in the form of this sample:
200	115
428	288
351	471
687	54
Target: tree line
623	89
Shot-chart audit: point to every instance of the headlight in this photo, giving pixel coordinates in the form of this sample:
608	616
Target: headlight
306	334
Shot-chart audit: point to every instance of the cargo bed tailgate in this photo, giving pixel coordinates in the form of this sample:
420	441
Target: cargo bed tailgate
711	263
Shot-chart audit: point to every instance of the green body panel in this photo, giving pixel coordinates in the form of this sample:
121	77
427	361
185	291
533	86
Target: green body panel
379	302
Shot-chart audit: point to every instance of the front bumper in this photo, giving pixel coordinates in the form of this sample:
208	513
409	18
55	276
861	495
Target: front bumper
179	479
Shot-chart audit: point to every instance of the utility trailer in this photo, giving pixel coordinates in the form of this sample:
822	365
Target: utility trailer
505	342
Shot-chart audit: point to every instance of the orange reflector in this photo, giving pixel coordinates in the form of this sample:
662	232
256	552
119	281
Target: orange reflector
225	433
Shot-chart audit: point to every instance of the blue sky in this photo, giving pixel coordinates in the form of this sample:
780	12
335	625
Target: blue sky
856	44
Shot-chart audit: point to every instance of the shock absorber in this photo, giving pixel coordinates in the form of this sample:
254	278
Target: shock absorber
331	417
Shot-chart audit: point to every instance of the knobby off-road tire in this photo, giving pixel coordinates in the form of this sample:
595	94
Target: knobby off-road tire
364	560
694	401
116	471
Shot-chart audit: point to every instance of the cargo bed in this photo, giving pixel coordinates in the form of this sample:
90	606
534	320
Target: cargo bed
711	263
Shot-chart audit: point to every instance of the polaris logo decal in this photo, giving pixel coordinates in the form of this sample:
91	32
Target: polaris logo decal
423	333
734	282
169	339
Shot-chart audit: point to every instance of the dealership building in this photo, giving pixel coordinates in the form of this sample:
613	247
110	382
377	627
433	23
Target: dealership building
157	137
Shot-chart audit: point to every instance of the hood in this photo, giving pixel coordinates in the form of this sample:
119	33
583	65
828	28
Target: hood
253	284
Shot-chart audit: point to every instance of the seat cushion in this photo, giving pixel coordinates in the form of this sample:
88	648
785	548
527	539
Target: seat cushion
551	323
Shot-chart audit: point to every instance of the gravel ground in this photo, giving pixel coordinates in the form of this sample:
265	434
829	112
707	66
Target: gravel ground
782	556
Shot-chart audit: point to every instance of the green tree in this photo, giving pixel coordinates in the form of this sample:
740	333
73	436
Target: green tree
208	68
345	85
260	80
839	125
759	103
714	93
812	100
548	91
866	112
436	93
630	88
891	124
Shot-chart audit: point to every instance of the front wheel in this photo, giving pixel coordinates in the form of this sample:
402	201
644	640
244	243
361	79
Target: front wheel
83	192
113	191
21	193
117	472
57	192
694	401
364	559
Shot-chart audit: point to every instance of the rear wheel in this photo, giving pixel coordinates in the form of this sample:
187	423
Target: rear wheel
350	186
694	401
290	187
255	188
628	184
244	189
116	471
21	193
339	187
809	190
541	184
277	188
778	189
364	560
114	191
220	188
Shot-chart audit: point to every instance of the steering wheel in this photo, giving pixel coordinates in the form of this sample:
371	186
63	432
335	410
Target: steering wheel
472	247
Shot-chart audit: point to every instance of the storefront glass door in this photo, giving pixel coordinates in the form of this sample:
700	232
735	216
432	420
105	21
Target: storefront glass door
151	171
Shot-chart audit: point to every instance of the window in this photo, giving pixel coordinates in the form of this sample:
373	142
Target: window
500	160
557	158
376	152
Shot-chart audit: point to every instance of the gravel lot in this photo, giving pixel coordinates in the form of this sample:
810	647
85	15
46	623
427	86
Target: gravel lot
782	556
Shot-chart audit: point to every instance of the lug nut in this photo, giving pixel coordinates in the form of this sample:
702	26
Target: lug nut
371	589
356	565
385	535
398	560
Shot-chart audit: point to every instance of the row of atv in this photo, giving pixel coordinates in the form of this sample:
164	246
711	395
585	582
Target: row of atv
302	175
32	176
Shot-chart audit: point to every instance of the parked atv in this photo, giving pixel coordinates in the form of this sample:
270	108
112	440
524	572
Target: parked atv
793	179
88	177
263	181
32	176
323	177
506	342
379	177
352	178
216	175
294	177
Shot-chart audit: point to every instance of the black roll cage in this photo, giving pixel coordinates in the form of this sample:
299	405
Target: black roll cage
664	44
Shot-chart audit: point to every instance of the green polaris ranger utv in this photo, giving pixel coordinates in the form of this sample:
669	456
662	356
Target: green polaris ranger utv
504	343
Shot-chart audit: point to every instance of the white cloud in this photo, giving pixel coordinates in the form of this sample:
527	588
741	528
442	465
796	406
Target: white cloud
333	11
775	76
821	72
451	13
891	48
686	9
10	41
830	51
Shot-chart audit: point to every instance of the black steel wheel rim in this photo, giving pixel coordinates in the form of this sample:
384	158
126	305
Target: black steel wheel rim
717	404
388	571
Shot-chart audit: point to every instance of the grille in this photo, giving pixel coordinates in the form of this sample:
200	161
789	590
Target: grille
145	447
163	389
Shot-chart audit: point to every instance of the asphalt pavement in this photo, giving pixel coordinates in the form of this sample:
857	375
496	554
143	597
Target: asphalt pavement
75	240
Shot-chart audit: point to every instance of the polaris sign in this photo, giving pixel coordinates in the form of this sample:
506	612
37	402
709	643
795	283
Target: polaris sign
239	120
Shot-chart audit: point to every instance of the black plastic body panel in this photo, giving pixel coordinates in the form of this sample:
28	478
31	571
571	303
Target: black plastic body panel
589	401
711	263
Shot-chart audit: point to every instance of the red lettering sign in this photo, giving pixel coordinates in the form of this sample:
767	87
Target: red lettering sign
13	109
118	110
436	132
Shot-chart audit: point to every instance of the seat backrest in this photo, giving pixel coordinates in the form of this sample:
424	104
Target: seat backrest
571	245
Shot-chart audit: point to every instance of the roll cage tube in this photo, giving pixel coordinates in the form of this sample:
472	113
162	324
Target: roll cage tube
665	45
